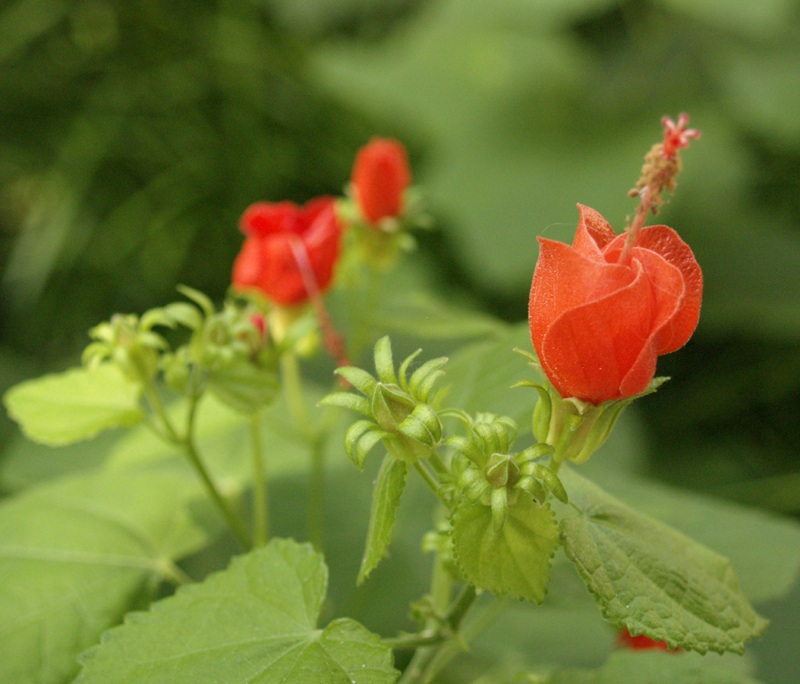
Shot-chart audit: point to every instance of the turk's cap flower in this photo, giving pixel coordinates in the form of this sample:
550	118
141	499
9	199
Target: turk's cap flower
380	178
288	250
599	325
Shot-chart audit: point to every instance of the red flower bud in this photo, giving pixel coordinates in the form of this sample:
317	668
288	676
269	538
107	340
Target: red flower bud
380	177
287	245
598	325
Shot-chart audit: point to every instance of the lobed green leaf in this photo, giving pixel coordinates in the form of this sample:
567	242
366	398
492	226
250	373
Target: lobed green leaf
515	560
77	404
77	554
255	621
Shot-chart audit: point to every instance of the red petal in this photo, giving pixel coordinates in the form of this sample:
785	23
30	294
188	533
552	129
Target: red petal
664	241
267	218
247	266
593	233
589	349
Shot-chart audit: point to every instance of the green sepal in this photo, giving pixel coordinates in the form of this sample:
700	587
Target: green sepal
358	378
423	425
389	486
348	400
183	313
402	372
467	447
359	439
651	578
515	560
423	379
390	406
384	365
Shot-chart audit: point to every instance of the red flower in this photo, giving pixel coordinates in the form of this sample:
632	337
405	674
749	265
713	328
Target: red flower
598	325
288	249
380	177
640	643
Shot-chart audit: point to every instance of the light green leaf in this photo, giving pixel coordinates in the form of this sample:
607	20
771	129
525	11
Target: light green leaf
255	621
653	579
68	407
515	560
76	555
389	486
649	667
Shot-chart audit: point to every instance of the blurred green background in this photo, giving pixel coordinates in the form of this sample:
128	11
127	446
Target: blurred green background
133	134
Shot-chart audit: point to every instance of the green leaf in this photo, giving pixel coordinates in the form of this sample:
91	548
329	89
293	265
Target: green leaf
68	407
764	548
389	486
76	555
649	667
255	621
482	375
515	560
653	579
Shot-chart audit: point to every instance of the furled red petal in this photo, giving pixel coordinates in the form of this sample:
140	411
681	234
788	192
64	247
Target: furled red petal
248	264
380	177
589	349
564	279
664	241
268	260
266	218
593	233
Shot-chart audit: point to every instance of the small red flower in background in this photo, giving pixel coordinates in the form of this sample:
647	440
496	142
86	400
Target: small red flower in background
380	177
285	246
597	324
641	642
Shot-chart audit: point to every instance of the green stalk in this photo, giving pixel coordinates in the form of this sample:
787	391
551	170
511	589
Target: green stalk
260	495
293	388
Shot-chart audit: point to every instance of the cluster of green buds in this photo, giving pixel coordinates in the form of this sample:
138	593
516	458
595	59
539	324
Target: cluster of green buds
399	407
229	352
485	470
130	342
574	428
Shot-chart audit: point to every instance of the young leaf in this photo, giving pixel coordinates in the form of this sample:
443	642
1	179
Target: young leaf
255	621
68	407
386	495
76	555
651	578
515	560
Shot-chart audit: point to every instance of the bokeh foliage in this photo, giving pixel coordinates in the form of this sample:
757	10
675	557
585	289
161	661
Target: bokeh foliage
133	134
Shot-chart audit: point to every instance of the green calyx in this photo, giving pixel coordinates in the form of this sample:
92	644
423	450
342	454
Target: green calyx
486	472
399	407
574	428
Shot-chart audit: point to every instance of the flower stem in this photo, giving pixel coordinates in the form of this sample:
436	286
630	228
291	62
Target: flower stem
260	495
233	520
293	388
166	431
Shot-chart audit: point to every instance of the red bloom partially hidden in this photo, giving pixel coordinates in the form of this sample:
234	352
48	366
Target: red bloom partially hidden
286	246
598	325
380	177
640	643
